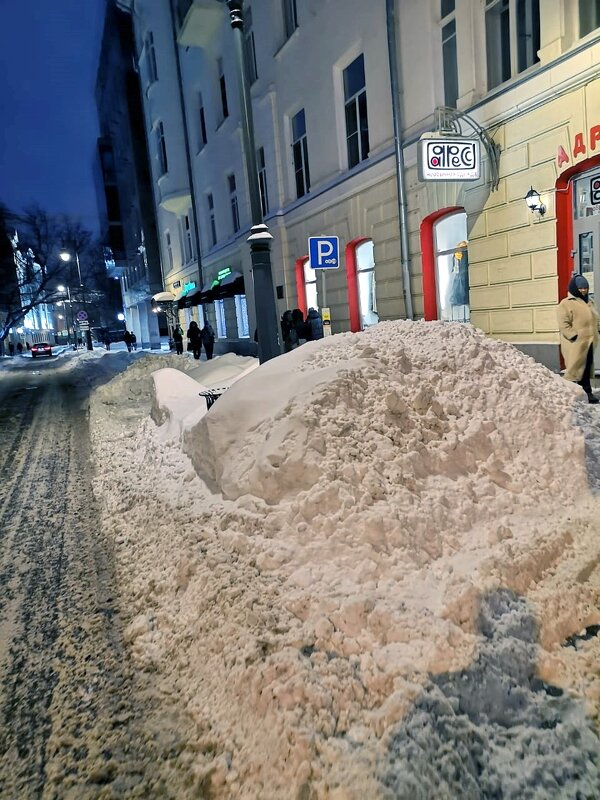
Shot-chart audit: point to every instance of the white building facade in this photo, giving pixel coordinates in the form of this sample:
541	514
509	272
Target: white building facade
521	76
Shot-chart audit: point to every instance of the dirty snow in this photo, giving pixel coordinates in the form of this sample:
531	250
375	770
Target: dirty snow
356	573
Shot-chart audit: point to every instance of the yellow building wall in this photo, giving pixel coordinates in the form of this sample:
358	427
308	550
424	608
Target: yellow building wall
512	251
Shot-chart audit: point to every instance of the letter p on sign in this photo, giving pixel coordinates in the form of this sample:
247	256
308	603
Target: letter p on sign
324	252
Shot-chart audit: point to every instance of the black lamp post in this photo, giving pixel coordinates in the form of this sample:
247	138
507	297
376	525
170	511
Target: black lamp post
260	238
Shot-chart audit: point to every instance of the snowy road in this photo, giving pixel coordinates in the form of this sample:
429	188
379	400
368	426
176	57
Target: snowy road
73	724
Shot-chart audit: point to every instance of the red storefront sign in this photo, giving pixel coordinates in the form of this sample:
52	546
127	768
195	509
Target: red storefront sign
580	146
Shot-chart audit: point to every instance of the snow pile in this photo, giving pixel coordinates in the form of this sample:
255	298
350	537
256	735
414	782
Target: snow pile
344	603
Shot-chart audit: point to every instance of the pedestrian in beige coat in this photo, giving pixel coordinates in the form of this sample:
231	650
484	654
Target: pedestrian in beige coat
579	326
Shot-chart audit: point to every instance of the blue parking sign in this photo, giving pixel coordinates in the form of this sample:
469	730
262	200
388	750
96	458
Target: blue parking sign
324	252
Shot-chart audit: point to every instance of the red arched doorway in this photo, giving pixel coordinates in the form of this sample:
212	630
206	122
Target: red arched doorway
564	223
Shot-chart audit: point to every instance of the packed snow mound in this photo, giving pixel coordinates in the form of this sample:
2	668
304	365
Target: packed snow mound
222	371
369	592
403	415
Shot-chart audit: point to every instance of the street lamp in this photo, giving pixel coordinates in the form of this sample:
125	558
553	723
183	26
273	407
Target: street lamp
260	238
67	290
66	256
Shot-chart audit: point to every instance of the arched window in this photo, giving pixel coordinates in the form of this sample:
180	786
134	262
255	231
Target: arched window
365	273
310	286
445	257
360	276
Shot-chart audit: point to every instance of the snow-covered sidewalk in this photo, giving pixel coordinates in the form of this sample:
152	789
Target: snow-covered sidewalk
357	572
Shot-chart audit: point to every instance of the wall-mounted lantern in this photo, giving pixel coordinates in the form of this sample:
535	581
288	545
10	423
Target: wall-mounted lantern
534	203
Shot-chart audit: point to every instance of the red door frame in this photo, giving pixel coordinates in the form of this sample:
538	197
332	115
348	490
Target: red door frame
300	285
430	306
564	221
352	281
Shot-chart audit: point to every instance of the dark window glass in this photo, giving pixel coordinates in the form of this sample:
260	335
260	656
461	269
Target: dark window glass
528	33
357	123
202	121
250	45
497	39
447	7
300	154
290	17
354	77
262	180
589	16
450	64
223	89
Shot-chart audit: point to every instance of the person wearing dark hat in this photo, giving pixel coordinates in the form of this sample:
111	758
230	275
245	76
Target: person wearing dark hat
579	326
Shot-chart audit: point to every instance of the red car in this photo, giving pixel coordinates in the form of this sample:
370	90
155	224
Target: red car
41	349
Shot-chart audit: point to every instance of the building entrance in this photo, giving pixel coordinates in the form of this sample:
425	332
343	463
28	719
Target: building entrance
586	233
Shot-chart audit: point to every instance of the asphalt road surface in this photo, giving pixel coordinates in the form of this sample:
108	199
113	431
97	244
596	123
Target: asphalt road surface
75	721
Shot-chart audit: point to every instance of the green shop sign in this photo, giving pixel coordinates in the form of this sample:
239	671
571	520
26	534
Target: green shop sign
222	273
187	287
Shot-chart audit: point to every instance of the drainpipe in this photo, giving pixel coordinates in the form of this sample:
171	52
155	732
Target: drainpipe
390	7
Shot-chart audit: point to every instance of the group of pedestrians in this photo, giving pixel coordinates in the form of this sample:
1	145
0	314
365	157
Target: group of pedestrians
197	338
130	340
295	330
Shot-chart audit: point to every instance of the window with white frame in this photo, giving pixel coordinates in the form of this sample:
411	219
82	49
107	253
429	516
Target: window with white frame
220	318
589	16
512	37
211	219
161	148
290	17
150	57
250	45
300	154
262	180
187	238
310	285
169	250
449	52
365	273
202	137
235	213
222	89
241	315
357	123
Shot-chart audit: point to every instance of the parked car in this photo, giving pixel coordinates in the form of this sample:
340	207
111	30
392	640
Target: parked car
41	349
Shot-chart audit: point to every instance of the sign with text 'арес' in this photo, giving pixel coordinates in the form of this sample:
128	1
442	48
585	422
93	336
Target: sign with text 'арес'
445	158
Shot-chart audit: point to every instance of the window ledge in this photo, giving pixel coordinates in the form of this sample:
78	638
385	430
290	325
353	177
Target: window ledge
294	35
150	87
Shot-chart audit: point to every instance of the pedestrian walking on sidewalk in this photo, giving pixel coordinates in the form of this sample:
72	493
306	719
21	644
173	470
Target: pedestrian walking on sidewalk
194	336
127	339
208	340
178	339
579	326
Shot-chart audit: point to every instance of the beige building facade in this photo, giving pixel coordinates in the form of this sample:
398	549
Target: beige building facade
520	76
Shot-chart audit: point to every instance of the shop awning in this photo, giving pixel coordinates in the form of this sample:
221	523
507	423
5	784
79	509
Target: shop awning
227	283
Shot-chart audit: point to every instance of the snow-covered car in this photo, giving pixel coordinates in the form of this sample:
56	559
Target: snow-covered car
41	349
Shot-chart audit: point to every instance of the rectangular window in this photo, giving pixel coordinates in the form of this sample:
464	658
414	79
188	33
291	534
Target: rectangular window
241	315
505	56
497	39
300	153
150	58
290	17
250	46
449	54
222	89
161	149
211	219
187	239
220	315
262	180
589	16
357	123
169	250
528	33
202	138
235	214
